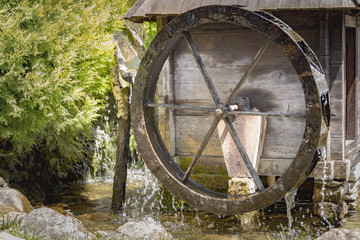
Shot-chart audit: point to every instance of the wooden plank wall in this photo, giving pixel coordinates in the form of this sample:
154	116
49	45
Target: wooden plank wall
226	52
336	85
273	87
358	69
335	68
352	147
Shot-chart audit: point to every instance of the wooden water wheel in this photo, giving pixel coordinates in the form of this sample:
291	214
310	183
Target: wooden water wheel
144	109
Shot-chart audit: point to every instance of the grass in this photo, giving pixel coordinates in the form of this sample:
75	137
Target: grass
14	228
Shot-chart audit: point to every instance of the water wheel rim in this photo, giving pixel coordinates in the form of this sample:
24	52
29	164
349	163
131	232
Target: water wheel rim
149	139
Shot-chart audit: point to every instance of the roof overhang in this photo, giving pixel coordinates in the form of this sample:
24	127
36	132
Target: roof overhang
148	10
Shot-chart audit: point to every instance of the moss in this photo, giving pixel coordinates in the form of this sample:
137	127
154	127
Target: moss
170	203
211	176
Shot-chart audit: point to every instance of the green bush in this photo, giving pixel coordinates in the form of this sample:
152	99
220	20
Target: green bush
55	57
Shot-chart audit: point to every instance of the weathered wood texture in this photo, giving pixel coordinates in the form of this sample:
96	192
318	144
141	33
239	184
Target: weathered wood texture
272	87
143	10
358	67
336	86
352	147
251	131
328	29
351	84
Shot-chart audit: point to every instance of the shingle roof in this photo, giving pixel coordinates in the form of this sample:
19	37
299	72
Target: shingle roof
147	9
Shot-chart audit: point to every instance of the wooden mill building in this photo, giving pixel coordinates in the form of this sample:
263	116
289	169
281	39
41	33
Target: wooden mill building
332	30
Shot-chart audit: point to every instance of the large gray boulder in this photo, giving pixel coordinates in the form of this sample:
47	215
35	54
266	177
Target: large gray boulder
341	234
140	231
6	236
12	198
12	216
3	183
52	225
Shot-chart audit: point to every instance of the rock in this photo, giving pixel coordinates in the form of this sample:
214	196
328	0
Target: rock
342	210
341	234
6	209
140	230
6	236
112	221
332	211
3	183
241	186
12	216
52	225
325	209
334	191
10	197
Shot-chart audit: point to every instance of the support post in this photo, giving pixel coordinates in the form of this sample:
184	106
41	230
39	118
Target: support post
121	95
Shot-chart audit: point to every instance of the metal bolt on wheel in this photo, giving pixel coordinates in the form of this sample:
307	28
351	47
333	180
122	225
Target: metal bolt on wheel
144	115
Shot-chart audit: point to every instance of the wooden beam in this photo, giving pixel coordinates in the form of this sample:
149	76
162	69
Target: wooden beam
173	7
190	4
210	2
330	3
161	22
171	100
350	21
286	4
324	42
267	4
134	9
311	4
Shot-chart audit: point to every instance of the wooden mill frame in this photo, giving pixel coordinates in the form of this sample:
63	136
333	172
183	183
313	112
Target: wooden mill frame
332	29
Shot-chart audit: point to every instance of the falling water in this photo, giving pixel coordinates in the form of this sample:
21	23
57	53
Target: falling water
143	194
324	178
290	204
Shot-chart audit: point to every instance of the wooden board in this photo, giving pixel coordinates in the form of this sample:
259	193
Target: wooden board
269	4
310	4
190	4
286	4
347	3
251	132
351	85
273	167
173	8
210	2
335	82
330	3
155	7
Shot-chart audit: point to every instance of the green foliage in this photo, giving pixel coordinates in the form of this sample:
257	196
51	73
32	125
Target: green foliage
54	77
14	228
150	32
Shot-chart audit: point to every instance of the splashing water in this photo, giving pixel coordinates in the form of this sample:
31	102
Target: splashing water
325	177
146	201
143	194
290	204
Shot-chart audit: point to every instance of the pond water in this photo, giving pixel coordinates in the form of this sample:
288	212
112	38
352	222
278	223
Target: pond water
147	200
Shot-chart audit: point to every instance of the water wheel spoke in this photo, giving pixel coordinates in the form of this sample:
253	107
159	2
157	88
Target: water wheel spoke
202	148
244	155
202	68
248	71
181	107
267	114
